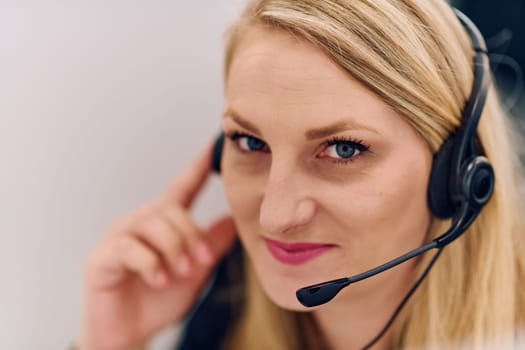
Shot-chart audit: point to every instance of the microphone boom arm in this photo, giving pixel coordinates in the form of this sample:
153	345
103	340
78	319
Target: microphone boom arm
321	293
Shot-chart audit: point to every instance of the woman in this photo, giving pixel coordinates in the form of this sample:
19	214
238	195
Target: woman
335	110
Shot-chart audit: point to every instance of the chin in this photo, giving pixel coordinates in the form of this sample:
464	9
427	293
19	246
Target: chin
281	291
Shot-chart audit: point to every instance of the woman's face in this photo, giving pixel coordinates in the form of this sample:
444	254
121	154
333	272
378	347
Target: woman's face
323	178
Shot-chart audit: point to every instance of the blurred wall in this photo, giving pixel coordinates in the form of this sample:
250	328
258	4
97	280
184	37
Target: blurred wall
101	104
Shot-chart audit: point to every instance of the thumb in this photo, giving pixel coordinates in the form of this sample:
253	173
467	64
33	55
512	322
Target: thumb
221	236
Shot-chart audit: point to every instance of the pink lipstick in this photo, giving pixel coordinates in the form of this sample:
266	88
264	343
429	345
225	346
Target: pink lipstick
296	253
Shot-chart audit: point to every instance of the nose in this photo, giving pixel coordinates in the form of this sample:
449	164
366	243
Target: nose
285	206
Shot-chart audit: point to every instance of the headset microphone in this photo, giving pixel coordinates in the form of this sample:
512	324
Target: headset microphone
323	292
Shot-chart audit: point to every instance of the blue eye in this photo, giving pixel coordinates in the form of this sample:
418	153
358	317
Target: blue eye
343	150
254	144
248	143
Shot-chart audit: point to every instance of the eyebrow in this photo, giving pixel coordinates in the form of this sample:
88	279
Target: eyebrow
311	134
241	121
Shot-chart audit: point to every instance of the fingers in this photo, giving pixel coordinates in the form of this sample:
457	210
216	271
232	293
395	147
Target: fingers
193	235
161	244
176	237
169	243
185	187
113	262
137	257
221	236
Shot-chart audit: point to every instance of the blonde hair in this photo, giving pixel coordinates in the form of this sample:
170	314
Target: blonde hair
417	57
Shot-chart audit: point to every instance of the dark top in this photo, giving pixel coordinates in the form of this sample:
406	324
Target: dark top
218	308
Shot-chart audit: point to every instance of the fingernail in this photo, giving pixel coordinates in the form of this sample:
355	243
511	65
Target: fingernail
183	265
203	253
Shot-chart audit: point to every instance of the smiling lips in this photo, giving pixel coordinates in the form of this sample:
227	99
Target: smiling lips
296	253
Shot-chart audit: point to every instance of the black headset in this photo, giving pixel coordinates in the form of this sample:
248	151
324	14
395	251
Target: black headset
461	180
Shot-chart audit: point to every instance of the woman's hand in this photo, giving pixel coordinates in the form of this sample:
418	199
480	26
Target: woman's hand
149	269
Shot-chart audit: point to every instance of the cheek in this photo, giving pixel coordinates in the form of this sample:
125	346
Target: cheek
401	194
403	208
244	198
385	214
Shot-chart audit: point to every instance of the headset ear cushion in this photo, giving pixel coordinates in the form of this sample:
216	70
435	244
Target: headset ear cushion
217	153
477	181
439	199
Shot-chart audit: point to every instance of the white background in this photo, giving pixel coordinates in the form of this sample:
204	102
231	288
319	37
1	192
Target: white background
101	104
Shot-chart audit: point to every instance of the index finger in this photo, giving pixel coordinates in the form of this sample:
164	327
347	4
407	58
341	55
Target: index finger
185	187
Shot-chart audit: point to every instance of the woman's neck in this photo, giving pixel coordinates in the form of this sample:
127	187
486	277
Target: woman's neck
360	312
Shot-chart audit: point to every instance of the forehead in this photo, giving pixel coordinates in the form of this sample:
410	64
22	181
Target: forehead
275	77
277	59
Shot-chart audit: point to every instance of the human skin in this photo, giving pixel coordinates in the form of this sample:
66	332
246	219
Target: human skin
371	207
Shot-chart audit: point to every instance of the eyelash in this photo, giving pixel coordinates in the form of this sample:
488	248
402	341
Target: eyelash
234	136
358	144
